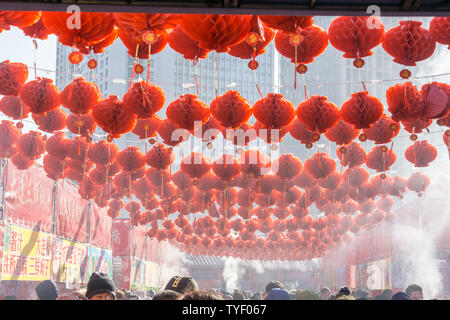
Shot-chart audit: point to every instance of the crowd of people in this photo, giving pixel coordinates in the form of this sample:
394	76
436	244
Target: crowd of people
101	287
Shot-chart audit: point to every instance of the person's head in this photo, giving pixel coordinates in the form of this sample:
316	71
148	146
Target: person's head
227	296
47	290
182	284
387	294
415	292
238	296
201	295
168	295
278	294
344	291
100	287
401	296
306	295
325	294
272	285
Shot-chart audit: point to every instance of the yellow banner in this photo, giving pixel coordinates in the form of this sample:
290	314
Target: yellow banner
26	254
67	261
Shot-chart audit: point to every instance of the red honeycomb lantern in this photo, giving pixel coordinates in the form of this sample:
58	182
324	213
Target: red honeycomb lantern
320	165
134	43
298	131
13	107
144	99
418	182
195	165
287	166
209	131
405	102
226	167
240	136
9	143
341	133
103	153
230	109
171	134
380	158
54	168
270	136
12	77
130	159
79	96
440	30
146	128
253	163
291	24
383	130
37	30
113	117
352	155
180	42
83	125
356	176
57	145
361	110
416	126
318	114
436	97
421	153
51	121
159	157
32	145
40	95
274	111
187	110
18	18
21	162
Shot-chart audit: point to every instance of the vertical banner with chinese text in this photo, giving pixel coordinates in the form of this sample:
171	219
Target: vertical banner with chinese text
68	257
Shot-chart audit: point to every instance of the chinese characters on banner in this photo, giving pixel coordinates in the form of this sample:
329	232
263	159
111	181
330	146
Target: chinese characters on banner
26	254
67	260
120	237
98	260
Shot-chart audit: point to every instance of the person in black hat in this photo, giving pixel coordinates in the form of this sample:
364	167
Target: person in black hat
401	296
182	284
47	290
100	287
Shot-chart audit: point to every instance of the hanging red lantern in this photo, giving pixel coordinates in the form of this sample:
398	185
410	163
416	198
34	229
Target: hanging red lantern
421	153
287	166
77	149
146	128
352	155
182	180
270	136
332	181
361	110
240	136
312	41
383	130
98	176
320	165
32	145
79	96
380	158
12	77
291	24
83	125
180	42
436	97
144	99
9	143
318	114
158	177
216	32
51	121
12	107
103	153
274	111
40	95
209	131
171	134
418	182
37	30
416	126
230	109
113	117
186	110
408	43
18	18
299	131
253	163
159	157
304	180
195	165
440	30
356	36
405	102
54	168
135	44
356	176
130	159
21	162
342	133
226	167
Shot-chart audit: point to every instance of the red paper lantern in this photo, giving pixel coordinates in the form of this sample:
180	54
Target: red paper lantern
180	42
356	36
102	152
144	99
253	163
79	96
12	77
320	165
171	134
83	125
182	180
146	128
130	159
287	166
113	117
408	43
226	167
230	109
159	157
195	165
291	24
77	149
31	145
98	176
9	143
418	182
158	177
18	18
240	136
421	153
268	135
342	133
383	130
313	41
52	121
352	155
416	126
209	131
21	162
13	107
187	110
436	97
134	43
216	32
304	180
440	30
40	95
405	102
299	131
356	176
318	114
274	111
332	181
54	168
37	30
361	110
380	158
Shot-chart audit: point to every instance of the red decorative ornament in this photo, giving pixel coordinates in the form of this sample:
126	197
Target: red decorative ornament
304	180
253	163
131	159
291	24
440	30
144	99
18	18
9	143
92	64
342	133
418	182
31	145
421	153
134	43
167	132
356	176
103	153
274	111
352	155
240	136
12	77
180	42
298	131
159	157
146	128
187	110
79	96
253	64
383	130
356	36
57	145
216	32
405	102
332	181
113	117
12	107
320	165
271	136
287	166
54	168
436	97
226	167
230	109
446	138
318	114
52	121
83	125
138	68
182	180
380	159
361	110
21	162
40	95
209	131
75	57
77	149
195	165
313	41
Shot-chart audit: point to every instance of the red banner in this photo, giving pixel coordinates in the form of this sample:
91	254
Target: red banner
28	198
121	237
100	226
71	212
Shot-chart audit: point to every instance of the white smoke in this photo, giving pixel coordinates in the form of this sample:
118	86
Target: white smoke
233	270
169	260
258	266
